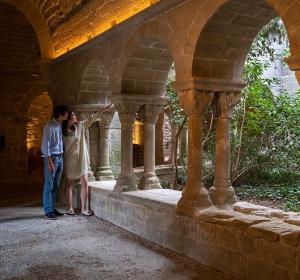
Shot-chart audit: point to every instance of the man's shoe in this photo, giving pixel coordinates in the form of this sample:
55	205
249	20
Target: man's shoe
56	213
51	216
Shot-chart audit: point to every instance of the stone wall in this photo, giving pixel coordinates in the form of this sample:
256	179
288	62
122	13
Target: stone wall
246	246
40	111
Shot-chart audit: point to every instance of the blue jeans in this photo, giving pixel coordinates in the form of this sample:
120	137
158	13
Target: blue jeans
51	184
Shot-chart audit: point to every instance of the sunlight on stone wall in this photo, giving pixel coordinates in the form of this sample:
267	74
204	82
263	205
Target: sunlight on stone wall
40	112
99	19
137	134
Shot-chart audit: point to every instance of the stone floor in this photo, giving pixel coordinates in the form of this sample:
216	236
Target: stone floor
32	247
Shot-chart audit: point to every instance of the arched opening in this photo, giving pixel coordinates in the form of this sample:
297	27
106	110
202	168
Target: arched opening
147	68
145	73
19	75
225	40
95	85
143	82
95	92
219	66
40	111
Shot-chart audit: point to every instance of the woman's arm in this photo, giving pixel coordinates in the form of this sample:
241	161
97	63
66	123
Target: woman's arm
95	117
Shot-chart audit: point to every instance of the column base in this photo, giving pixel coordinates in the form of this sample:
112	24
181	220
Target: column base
126	183
193	200
149	181
104	173
222	196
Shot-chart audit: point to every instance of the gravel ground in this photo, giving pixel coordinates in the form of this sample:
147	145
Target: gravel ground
32	247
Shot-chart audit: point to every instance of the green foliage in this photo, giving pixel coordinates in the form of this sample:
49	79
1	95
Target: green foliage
268	125
176	114
273	32
287	197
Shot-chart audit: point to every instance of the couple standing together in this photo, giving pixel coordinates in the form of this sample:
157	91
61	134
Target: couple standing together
64	148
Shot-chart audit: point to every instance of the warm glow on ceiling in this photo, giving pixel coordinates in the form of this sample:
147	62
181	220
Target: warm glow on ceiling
105	26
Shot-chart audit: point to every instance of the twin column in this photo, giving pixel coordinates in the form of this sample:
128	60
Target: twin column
104	171
194	196
127	180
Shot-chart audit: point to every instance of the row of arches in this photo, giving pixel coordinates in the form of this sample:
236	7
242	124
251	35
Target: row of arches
207	42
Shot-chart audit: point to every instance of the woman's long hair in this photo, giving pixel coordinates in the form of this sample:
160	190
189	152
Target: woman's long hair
65	128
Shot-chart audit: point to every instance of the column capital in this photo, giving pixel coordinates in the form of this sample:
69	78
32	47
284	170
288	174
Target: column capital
127	112
226	102
195	102
106	118
151	113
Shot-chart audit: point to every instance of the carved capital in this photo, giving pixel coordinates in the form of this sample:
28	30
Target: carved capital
226	102
195	102
106	119
151	113
127	113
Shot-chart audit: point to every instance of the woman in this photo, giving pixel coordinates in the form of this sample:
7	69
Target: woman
76	158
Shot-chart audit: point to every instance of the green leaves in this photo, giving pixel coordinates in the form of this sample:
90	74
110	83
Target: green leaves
175	112
286	197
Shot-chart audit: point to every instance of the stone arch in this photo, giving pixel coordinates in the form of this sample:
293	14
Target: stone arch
34	91
218	40
95	84
146	60
37	21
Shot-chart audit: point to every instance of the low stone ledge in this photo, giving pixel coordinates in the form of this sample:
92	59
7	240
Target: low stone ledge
258	210
231	241
277	231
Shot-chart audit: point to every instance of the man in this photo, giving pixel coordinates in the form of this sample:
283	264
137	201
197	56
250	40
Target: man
52	150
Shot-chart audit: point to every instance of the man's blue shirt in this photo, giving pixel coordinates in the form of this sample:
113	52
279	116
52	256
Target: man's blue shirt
52	143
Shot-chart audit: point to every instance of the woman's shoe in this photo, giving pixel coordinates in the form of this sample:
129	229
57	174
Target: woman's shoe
71	212
87	213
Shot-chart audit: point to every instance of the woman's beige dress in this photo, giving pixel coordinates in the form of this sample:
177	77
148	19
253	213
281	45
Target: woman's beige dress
76	154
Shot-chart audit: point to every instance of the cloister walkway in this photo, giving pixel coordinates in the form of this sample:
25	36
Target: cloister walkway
32	247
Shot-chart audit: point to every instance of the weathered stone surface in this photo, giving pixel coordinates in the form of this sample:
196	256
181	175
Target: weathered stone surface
294	220
247	244
232	262
272	231
226	238
261	270
278	253
214	215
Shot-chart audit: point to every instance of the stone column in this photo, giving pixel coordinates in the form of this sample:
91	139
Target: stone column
126	180
159	139
104	172
149	179
194	196
222	193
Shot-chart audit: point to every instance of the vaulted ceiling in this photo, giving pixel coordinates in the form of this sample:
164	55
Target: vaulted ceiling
62	25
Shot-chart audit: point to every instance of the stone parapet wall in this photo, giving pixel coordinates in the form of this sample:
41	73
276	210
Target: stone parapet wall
242	245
